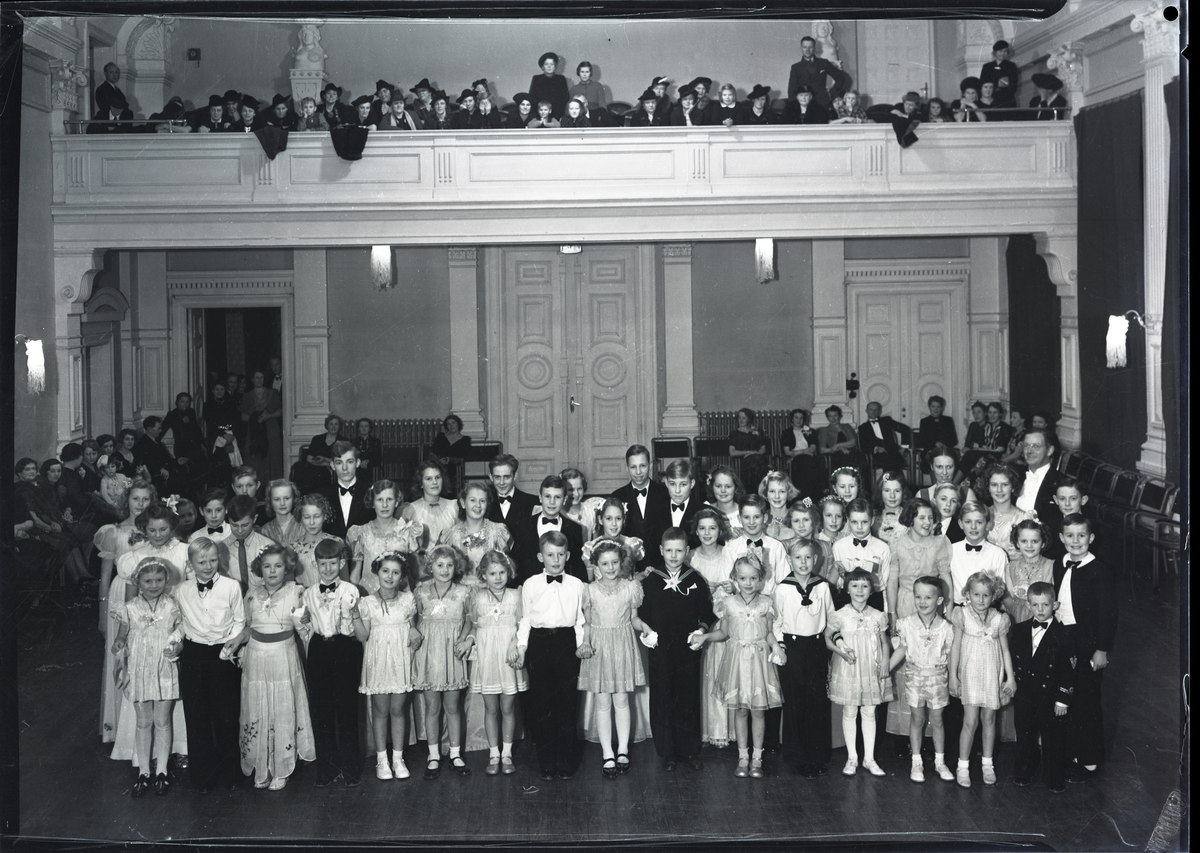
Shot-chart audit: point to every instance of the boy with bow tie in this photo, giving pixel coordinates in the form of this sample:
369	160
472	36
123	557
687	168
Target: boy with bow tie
974	553
347	495
677	605
510	505
647	503
861	550
1043	654
752	510
529	530
683	506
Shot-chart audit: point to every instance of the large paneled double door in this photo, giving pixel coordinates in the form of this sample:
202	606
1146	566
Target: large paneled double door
572	358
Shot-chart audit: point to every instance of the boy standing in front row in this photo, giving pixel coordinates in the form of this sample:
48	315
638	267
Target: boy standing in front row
677	604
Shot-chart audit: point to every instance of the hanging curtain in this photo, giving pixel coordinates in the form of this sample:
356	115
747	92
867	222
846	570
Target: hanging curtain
1034	330
1111	277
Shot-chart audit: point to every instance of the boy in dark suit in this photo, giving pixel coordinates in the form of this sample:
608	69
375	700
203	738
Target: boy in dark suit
528	532
647	503
509	504
1043	654
1087	599
678	609
346	494
245	482
683	505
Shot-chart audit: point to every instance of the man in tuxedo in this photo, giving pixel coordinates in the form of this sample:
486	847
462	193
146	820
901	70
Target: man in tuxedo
347	494
684	505
151	452
1037	493
276	379
877	439
813	71
647	503
509	504
527	533
1044	661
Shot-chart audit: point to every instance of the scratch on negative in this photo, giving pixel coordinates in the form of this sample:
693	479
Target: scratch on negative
1118	829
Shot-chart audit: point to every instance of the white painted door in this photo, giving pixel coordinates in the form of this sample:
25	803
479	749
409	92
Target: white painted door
895	57
572	391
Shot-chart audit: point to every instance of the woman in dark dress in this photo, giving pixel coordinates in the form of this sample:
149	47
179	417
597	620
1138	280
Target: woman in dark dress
439	118
988	443
370	449
185	425
313	475
755	109
123	453
799	443
549	86
451	445
34	499
749	447
521	111
262	412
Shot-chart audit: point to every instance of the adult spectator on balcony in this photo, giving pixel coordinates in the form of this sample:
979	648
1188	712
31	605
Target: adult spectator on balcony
576	116
936	112
849	110
966	107
802	108
362	104
423	106
725	110
648	113
549	86
381	104
825	79
172	118
987	101
251	119
906	117
481	88
755	109
211	119
467	118
333	110
233	106
1048	104
704	104
589	88
396	117
440	118
659	86
1003	73
115	109
684	113
521	112
281	115
108	90
490	118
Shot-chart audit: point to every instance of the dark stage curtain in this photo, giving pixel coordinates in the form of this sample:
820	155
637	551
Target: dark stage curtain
1111	247
1034	353
1175	302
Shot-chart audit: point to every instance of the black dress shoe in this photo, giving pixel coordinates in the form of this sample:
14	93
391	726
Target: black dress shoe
622	766
1057	788
1079	775
668	765
460	767
547	776
1022	781
566	775
433	768
693	763
140	787
820	770
162	785
353	783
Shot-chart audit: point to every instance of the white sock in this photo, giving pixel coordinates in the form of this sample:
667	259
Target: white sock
964	764
493	752
757	755
938	758
507	751
1089	766
850	732
433	753
743	754
381	756
454	752
917	762
987	762
868	730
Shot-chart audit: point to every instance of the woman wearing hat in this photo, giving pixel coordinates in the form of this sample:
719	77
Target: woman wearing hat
1049	103
281	114
423	105
210	119
521	111
169	119
803	109
332	110
685	113
549	86
467	118
439	116
966	108
251	119
648	114
704	104
117	109
755	109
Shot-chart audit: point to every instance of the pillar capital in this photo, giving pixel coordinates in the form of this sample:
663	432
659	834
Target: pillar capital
677	253
1061	252
1160	37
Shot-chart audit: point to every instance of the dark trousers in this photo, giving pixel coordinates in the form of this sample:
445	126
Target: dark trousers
1085	721
675	701
806	723
211	690
552	701
333	672
1035	717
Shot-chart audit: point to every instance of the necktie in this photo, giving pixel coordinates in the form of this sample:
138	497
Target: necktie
554	578
215	530
242	565
677	507
552	521
328	587
641	493
505	499
975	547
1074	564
937	529
345	491
861	543
203	587
754	543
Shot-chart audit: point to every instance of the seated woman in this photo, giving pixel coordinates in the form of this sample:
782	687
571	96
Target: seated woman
989	444
725	111
521	112
363	119
704	104
804	110
848	110
332	110
281	115
381	104
575	117
966	108
466	118
589	88
937	112
942	462
549	86
34	500
1048	104
839	442
648	113
439	117
451	447
799	443
749	447
1014	454
755	109
987	101
489	117
370	448
315	473
684	113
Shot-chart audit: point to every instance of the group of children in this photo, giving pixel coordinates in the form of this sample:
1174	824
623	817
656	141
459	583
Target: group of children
725	623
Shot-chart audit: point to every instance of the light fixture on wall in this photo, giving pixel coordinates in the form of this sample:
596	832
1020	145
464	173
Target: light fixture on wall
570	249
764	259
1118	330
35	359
381	267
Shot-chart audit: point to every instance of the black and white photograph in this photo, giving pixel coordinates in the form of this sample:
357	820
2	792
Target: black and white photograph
568	425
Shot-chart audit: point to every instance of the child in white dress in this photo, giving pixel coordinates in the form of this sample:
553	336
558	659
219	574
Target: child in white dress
714	563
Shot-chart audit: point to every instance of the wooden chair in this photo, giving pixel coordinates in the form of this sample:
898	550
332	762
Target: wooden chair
1156	504
400	463
711	452
475	465
667	450
1126	494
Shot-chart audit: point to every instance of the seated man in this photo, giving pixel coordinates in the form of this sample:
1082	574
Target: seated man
877	439
117	109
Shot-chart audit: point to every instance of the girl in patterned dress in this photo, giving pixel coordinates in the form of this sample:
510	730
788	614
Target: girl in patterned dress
438	666
923	642
981	672
385	628
277	730
147	639
725	490
747	682
495	611
999	486
889	506
312	510
1030	566
615	669
858	677
714	563
777	488
473	534
612	519
429	507
389	531
285	528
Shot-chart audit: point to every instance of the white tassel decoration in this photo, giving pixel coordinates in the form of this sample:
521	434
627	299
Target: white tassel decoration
37	366
1114	344
764	255
381	267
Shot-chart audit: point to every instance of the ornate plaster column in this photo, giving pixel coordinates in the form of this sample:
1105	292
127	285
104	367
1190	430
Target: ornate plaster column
1061	252
464	339
1067	60
65	82
308	71
148	53
829	328
308	361
680	417
987	320
74	275
1160	55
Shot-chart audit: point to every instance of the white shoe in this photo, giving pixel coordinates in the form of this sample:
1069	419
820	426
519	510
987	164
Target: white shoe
278	783
382	770
944	772
917	774
964	776
874	767
398	768
989	775
851	767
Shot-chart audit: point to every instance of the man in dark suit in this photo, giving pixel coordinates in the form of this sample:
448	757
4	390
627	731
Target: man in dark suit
1037	493
1043	655
815	72
107	91
116	109
347	494
528	530
509	504
647	503
877	439
151	452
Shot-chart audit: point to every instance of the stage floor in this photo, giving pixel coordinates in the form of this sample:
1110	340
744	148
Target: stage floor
71	789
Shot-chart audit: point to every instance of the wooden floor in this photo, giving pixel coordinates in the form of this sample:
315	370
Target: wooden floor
70	788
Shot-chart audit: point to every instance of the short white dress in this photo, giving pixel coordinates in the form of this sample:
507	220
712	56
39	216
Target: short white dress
387	659
435	665
747	679
152	675
859	683
495	623
980	658
367	543
616	664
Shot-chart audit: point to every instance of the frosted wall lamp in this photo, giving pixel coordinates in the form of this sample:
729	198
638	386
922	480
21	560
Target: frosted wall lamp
1118	331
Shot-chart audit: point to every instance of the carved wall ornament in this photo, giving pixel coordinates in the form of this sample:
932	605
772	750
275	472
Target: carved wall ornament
150	38
827	47
1067	60
65	82
1160	37
309	54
